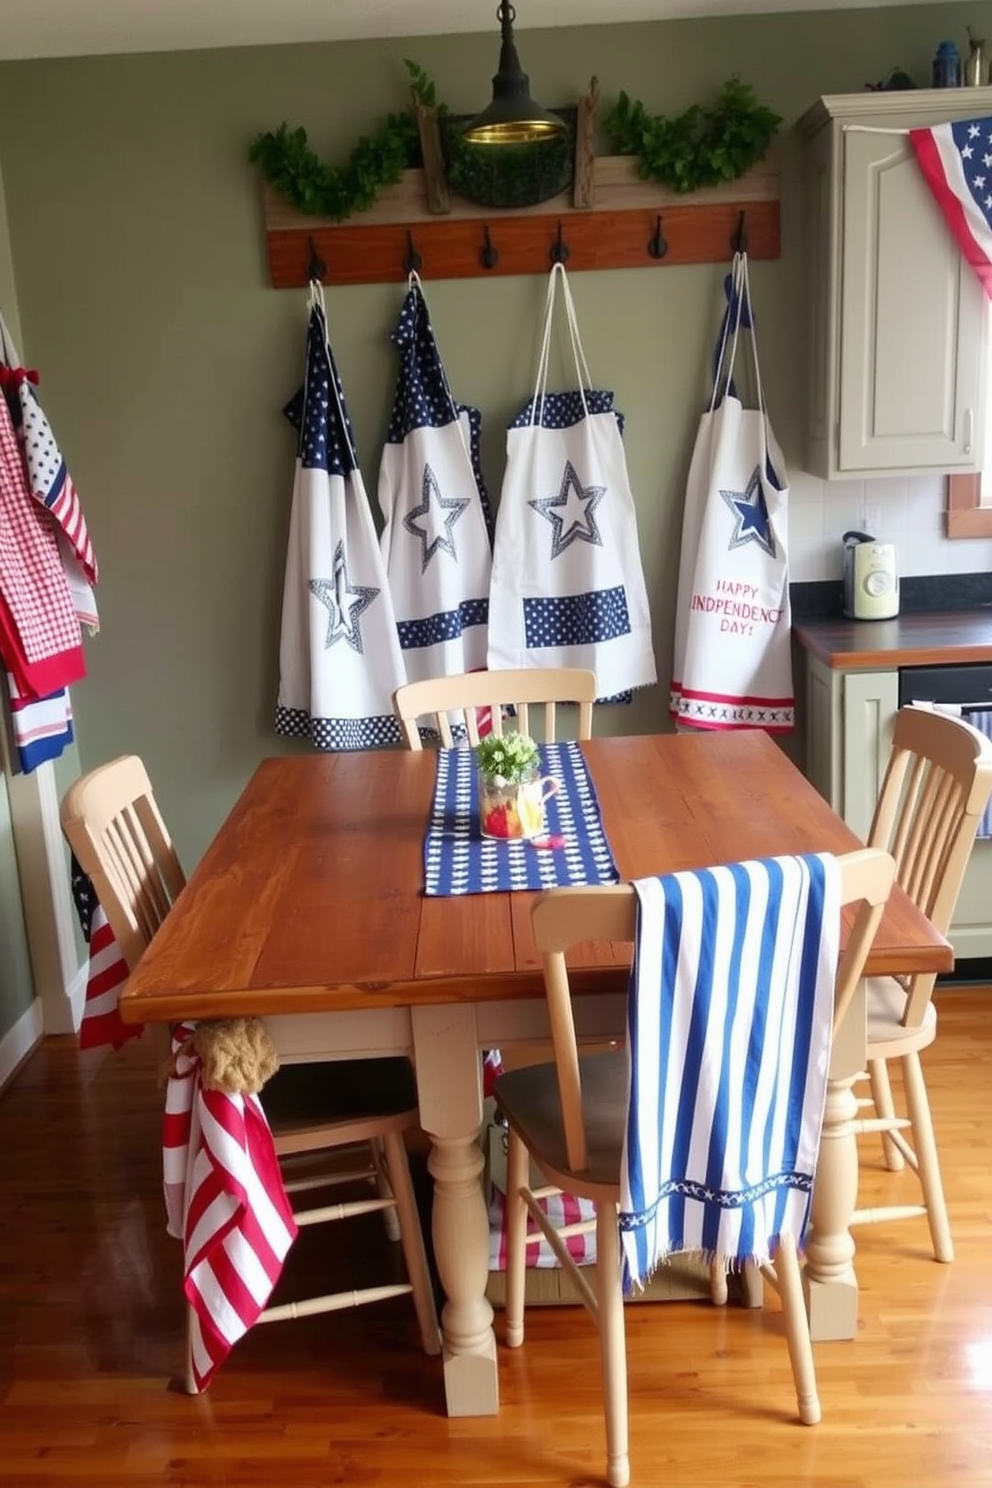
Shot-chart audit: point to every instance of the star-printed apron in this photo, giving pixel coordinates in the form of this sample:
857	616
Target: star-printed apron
339	657
568	586
732	664
435	542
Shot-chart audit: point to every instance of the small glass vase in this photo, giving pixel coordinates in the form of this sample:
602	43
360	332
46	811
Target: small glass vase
514	810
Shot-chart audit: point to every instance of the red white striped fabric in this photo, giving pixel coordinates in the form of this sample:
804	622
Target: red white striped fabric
225	1200
561	1209
956	161
102	1023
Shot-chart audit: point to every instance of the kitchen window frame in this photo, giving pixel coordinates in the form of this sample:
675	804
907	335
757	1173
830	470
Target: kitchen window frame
966	515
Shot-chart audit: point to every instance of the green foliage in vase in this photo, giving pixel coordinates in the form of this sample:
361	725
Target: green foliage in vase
700	147
507	758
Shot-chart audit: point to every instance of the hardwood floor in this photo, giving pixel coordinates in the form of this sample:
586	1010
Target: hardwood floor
91	1334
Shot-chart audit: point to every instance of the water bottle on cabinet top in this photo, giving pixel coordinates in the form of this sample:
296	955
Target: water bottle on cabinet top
947	66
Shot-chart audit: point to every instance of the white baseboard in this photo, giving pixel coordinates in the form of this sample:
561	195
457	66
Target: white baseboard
18	1041
76	995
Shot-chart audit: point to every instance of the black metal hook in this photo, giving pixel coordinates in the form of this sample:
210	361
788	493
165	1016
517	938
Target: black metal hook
317	268
738	242
657	246
488	256
413	262
559	248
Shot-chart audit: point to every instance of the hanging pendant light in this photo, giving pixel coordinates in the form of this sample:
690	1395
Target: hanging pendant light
513	118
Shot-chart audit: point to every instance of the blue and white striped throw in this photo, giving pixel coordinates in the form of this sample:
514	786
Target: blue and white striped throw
459	860
729	1019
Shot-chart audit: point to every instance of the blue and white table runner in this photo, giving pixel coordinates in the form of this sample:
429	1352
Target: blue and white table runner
728	1037
459	860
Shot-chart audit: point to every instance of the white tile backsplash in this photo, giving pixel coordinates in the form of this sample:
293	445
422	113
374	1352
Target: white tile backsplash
911	515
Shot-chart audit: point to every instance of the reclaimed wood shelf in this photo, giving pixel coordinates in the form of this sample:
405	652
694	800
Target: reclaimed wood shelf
619	231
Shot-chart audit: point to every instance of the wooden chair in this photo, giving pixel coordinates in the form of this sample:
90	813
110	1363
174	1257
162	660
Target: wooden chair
936	787
569	1117
114	827
453	703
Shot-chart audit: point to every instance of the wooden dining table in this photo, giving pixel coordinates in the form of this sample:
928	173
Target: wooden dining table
308	909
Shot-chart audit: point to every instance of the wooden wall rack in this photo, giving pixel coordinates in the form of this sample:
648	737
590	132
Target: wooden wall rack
631	224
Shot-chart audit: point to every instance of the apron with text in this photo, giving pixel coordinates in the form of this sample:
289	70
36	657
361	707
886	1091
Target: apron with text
732	664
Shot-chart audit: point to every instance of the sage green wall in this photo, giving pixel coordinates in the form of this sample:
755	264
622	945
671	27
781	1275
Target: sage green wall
16	984
139	251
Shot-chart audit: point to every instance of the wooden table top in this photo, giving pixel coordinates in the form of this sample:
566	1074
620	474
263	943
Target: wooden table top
310	897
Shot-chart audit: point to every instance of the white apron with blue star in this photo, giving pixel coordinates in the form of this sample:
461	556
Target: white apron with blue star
568	587
339	657
435	542
732	665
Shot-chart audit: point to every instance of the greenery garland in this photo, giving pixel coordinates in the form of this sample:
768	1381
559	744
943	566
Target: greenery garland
700	147
288	164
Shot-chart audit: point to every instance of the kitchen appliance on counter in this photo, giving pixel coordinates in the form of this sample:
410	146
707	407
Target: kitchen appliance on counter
871	579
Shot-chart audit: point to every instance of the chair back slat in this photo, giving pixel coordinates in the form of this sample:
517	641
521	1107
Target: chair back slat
934	792
113	825
452	705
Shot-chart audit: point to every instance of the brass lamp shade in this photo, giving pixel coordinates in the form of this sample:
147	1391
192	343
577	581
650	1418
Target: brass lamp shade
513	118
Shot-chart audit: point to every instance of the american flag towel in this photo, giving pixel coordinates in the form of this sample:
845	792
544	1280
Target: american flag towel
42	727
225	1200
954	159
435	542
728	1037
339	655
459	860
106	973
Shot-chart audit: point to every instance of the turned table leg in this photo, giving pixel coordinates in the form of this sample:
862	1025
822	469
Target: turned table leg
449	1088
829	1280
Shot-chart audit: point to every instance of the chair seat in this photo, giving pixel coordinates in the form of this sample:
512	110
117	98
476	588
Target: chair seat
339	1092
887	1038
528	1098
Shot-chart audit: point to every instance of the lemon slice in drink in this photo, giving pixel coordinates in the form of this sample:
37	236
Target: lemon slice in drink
530	809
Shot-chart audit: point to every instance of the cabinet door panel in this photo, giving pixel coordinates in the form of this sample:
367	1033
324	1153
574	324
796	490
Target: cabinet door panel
871	700
911	331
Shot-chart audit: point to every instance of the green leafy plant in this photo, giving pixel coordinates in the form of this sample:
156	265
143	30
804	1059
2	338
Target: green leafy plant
506	759
699	147
288	163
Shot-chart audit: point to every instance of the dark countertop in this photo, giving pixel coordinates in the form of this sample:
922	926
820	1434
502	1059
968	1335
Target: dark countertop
927	639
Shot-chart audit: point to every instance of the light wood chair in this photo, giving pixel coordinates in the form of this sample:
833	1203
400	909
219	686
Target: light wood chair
343	1111
569	1117
935	790
453	704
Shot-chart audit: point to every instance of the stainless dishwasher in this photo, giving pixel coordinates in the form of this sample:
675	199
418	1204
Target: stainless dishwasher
967	686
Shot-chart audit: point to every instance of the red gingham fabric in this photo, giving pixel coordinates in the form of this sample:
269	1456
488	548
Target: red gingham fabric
39	606
48	479
225	1199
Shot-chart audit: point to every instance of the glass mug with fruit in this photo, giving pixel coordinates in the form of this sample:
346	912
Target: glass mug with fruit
512	791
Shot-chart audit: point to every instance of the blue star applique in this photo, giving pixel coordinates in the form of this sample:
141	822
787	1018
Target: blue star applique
578	519
751	513
344	603
445	513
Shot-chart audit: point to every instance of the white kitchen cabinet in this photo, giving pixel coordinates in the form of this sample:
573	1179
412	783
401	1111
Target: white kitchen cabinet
849	718
897	318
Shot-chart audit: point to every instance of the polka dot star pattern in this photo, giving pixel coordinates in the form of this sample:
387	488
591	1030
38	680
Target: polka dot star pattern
568	585
339	655
436	541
